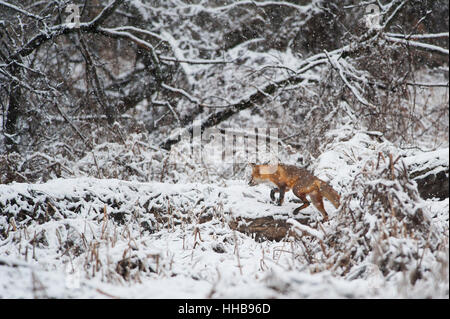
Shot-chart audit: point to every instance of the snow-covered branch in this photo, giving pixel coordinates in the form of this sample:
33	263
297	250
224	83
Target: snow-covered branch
431	85
20	10
337	66
441	35
190	9
138	41
105	14
55	31
262	4
420	45
390	12
181	92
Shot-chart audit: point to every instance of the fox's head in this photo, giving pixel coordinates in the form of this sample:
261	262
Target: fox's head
261	173
256	176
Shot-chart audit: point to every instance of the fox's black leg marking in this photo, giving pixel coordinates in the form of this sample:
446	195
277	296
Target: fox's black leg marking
280	190
281	199
272	193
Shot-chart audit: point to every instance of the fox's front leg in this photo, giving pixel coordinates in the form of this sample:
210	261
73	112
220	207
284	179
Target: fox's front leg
272	193
282	191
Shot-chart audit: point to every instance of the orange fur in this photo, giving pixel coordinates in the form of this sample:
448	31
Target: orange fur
302	183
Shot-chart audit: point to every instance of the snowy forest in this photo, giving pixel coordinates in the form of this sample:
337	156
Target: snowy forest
130	130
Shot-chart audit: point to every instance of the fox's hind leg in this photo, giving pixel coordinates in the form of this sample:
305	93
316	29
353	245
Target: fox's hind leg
317	200
303	199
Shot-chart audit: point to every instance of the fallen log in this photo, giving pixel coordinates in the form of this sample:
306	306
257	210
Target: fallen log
430	170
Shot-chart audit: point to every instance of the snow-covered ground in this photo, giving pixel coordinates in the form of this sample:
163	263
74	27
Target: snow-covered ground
177	261
106	238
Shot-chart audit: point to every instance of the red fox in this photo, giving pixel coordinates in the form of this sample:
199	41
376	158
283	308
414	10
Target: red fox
302	183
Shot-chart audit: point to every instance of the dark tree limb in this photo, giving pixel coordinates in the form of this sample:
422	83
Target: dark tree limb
256	98
13	61
109	108
64	29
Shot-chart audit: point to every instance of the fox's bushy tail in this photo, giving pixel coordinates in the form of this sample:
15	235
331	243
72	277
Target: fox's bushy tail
329	193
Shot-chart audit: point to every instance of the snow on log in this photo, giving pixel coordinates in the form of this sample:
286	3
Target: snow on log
431	173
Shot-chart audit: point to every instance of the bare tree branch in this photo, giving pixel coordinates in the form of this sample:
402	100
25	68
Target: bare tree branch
20	10
441	35
63	29
421	46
